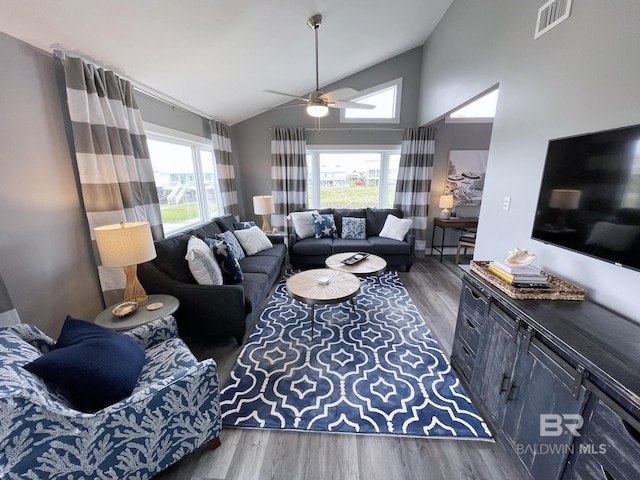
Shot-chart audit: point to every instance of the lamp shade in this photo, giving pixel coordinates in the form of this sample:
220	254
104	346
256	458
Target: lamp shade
263	204
446	201
125	244
317	110
565	199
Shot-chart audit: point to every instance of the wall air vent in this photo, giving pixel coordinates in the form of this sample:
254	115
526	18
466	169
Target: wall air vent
551	14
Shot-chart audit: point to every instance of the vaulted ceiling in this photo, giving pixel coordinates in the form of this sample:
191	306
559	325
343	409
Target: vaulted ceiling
217	56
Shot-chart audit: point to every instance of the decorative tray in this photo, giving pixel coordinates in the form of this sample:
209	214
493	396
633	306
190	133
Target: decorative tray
355	258
556	288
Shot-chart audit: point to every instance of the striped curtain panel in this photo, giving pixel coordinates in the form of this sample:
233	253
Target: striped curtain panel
116	176
288	174
413	186
224	167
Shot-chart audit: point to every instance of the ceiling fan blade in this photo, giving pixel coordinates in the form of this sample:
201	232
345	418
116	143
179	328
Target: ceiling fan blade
287	106
286	94
339	93
346	104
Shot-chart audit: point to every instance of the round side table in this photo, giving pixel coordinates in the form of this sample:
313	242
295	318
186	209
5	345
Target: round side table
141	315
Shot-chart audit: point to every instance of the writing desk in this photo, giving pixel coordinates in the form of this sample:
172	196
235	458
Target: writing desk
458	223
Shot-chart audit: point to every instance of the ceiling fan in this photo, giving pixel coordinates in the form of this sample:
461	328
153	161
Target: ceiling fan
318	103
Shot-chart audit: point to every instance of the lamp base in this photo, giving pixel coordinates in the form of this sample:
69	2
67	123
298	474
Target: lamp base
133	291
445	214
266	227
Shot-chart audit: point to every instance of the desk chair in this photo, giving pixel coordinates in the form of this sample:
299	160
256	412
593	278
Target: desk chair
467	240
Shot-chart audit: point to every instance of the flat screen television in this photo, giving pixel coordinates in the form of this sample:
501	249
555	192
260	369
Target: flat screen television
589	199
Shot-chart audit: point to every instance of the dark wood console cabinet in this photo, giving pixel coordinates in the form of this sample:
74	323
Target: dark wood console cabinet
558	381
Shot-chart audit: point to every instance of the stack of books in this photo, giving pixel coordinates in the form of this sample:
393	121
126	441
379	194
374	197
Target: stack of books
524	277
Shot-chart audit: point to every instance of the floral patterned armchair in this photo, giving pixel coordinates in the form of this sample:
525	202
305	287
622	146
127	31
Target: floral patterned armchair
173	410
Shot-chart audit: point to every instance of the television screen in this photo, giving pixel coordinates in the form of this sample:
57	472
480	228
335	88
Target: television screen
589	198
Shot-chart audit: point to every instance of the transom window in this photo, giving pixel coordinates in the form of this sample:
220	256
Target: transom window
185	175
385	97
352	178
482	109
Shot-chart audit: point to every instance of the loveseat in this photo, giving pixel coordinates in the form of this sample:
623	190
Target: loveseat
312	251
212	311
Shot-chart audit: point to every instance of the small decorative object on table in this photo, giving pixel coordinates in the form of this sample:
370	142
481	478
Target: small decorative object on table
353	259
124	309
519	258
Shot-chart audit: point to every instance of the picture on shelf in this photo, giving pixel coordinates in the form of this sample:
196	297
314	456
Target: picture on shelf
465	176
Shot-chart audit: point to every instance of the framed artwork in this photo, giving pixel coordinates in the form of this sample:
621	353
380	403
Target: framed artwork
465	176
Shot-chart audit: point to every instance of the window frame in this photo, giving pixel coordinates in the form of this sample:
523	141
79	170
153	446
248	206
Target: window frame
369	91
313	155
196	143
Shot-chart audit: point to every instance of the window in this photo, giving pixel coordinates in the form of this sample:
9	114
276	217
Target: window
482	109
185	176
352	178
385	97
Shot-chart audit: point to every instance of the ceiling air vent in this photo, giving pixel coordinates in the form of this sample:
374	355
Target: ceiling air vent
551	14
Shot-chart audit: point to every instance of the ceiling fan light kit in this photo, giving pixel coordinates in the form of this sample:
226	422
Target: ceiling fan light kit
317	111
318	103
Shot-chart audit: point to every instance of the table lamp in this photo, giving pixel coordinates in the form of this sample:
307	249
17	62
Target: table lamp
126	245
446	202
263	205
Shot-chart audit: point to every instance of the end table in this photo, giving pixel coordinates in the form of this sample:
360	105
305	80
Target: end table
141	315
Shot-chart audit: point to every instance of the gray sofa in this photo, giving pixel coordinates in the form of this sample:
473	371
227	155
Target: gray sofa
312	252
210	312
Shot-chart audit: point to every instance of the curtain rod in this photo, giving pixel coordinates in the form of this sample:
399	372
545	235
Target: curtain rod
364	129
144	89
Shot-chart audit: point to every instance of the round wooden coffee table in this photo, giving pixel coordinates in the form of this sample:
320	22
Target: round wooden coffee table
323	286
372	265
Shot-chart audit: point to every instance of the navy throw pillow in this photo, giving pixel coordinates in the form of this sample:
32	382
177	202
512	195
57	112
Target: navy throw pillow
324	226
93	366
244	225
229	265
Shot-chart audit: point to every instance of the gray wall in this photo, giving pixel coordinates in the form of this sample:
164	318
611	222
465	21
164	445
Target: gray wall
251	139
161	113
45	252
581	76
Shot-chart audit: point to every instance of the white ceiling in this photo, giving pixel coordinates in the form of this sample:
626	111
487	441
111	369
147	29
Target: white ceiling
216	56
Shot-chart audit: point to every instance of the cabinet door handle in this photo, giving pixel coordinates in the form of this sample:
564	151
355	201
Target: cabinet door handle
632	431
503	385
467	352
606	475
509	395
470	323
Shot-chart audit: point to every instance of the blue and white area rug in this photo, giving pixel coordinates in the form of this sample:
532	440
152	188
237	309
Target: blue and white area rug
373	371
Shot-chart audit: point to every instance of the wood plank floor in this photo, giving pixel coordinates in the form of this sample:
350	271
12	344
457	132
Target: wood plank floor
271	454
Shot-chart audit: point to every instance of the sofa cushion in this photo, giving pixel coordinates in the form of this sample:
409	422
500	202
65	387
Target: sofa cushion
207	230
387	246
354	228
376	218
94	366
256	264
170	258
225	222
303	223
313	246
255	286
341	245
339	213
203	265
279	250
228	262
395	228
324	226
253	240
